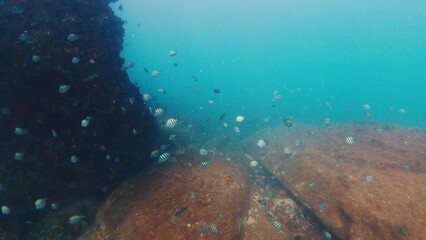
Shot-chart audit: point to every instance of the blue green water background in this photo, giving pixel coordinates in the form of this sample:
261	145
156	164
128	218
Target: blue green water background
326	58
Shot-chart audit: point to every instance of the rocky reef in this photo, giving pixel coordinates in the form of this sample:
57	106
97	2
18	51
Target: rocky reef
71	122
361	180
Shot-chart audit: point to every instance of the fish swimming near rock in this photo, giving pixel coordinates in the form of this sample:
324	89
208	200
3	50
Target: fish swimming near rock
276	225
155	153
171	122
402	231
159	112
5	210
75	219
14	10
164	157
311	185
179	211
72	37
214	228
64	88
288	122
40	203
205	164
350	140
155	73
21	131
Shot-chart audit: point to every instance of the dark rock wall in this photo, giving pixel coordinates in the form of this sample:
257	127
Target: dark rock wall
35	60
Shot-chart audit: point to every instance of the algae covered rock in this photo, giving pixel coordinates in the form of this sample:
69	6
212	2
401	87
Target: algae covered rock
177	201
366	189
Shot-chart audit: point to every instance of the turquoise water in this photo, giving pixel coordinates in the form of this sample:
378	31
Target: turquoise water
326	59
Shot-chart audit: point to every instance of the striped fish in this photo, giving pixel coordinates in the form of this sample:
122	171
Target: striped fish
402	231
406	167
155	153
173	137
164	157
322	206
20	131
262	201
40	203
64	88
205	164
379	130
291	211
171	123
72	37
159	112
75	219
350	140
277	225
179	211
14	9
370	179
312	185
213	227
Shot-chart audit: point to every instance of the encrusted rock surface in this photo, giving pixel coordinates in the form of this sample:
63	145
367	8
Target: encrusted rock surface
330	176
41	127
145	206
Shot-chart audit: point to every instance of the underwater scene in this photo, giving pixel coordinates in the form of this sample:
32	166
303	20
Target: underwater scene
212	120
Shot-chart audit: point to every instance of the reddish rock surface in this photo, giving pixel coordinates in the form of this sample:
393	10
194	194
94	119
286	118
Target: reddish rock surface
144	207
330	176
268	202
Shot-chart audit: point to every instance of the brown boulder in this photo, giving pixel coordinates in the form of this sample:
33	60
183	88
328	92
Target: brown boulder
330	177
146	207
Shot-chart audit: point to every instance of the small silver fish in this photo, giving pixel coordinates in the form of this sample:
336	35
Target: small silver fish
19	156
146	97
54	134
312	185
14	10
379	130
158	112
350	140
161	90
72	37
173	137
54	206
21	131
74	159
40	203
205	164
5	111
171	122
24	37
5	210
155	73
127	66
164	157
214	228
85	123
277	225
131	100
75	219
155	153
75	60
64	88
35	58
